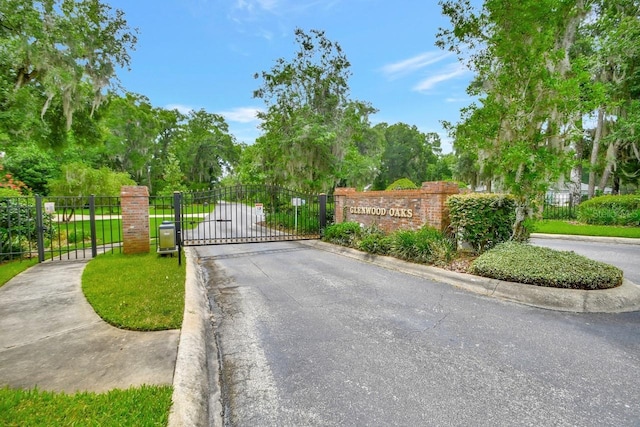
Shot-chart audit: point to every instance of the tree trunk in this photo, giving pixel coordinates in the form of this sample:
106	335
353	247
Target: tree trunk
612	155
576	174
523	212
594	152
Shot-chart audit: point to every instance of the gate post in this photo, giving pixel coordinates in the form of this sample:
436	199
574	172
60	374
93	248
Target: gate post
40	228
322	199
135	219
177	204
92	225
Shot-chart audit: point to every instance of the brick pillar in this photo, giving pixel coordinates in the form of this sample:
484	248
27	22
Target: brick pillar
135	219
340	196
434	196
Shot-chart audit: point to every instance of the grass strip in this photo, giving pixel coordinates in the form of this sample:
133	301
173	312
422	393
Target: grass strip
142	292
139	406
573	228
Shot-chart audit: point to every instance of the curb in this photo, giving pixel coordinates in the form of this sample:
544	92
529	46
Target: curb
621	299
196	394
598	239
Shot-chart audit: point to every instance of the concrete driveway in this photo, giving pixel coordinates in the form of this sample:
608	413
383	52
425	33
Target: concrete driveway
310	337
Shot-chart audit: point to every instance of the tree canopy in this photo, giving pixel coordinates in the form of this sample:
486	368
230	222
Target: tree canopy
310	124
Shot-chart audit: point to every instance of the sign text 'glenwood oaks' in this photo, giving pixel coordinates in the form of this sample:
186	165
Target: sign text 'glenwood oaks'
371	210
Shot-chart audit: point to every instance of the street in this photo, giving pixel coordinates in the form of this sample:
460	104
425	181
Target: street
308	337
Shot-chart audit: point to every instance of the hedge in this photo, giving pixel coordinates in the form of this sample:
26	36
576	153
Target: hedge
540	266
611	210
482	220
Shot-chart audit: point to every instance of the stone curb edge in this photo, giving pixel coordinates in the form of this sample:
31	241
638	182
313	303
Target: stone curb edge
624	298
196	392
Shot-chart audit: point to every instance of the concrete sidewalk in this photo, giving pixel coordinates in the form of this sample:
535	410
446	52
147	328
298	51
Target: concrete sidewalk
51	338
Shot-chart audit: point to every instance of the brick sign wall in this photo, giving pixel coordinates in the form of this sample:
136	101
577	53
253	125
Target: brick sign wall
400	209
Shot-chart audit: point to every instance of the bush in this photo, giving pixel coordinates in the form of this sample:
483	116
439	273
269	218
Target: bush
534	265
611	210
344	234
427	246
402	184
375	241
481	220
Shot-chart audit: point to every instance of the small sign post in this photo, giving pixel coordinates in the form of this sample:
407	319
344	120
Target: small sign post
259	209
296	201
49	207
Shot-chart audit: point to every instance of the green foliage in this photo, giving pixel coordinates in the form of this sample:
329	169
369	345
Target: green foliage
310	124
375	241
80	180
57	56
408	153
426	245
344	234
402	184
33	166
308	220
611	210
481	220
147	294
173	177
528	90
540	266
136	406
17	225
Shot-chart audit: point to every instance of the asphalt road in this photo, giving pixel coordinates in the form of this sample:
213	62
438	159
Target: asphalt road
623	256
308	337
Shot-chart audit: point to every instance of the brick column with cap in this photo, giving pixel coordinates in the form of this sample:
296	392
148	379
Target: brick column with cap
135	219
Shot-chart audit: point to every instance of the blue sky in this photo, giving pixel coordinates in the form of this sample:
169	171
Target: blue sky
194	54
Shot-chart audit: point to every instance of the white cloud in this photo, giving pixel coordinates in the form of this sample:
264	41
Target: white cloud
241	114
184	109
450	72
462	99
398	69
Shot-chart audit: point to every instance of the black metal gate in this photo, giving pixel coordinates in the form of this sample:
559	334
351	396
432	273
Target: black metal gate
246	214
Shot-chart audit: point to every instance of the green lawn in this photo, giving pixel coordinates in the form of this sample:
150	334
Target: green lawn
147	294
573	228
141	406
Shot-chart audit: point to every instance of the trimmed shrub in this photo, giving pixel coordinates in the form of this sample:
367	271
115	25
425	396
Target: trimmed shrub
540	266
402	184
481	220
375	241
344	234
611	210
426	246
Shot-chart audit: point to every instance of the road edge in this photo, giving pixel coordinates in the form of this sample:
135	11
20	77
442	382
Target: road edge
624	298
196	393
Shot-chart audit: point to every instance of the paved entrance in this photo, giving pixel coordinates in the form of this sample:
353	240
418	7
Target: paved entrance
308	337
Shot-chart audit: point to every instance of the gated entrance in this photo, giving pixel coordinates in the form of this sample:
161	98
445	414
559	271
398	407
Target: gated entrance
246	214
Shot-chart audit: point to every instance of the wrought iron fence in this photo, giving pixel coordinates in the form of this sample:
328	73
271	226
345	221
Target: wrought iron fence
559	206
59	227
